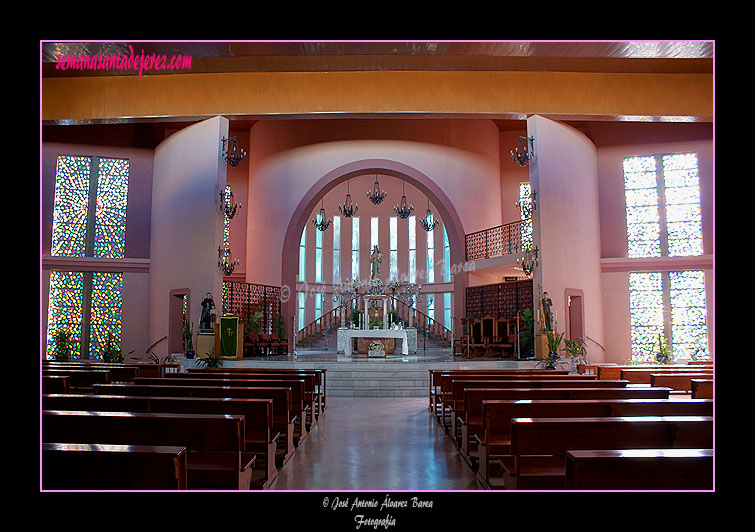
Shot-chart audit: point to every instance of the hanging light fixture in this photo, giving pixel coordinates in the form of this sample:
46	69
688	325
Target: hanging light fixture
528	262
401	209
428	223
347	208
227	205
319	220
523	158
235	155
226	264
375	195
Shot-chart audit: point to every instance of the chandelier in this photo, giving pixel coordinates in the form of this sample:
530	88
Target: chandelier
401	209
319	220
226	264
428	223
375	195
235	155
347	208
528	262
523	158
228	206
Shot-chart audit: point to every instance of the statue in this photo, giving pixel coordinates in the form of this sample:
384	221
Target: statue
208	305
375	260
547	304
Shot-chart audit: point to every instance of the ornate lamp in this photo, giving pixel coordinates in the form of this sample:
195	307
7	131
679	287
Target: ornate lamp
528	262
428	223
375	195
347	208
235	155
319	220
523	158
401	209
227	205
225	263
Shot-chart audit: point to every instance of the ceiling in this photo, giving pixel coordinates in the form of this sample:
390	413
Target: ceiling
272	56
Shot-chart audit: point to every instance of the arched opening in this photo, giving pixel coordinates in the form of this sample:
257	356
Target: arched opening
311	199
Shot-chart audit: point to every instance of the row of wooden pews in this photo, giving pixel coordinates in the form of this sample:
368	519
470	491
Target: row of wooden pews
222	429
540	429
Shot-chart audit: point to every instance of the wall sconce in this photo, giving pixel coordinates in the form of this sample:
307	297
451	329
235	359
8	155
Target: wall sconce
227	205
523	158
528	262
235	155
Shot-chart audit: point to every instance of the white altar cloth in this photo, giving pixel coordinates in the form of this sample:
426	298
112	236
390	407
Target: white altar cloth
376	333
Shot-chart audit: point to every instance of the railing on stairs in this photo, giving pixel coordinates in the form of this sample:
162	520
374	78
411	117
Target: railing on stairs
338	316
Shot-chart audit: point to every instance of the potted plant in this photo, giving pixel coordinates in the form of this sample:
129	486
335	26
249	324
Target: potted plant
663	356
526	333
188	333
210	361
279	326
577	350
554	344
111	352
62	350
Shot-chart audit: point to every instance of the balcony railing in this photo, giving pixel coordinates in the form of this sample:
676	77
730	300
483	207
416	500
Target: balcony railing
505	239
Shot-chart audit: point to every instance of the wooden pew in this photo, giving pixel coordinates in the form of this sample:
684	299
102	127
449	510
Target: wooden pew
302	385
215	443
56	384
700	363
679	382
539	445
118	372
454	407
640	469
312	395
76	466
702	388
494	439
642	375
260	436
613	371
435	378
320	374
296	408
81	379
283	417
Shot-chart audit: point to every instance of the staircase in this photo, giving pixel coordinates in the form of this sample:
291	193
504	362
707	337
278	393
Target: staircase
377	380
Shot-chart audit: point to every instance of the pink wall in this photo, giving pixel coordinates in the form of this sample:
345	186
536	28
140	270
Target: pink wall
566	225
187	225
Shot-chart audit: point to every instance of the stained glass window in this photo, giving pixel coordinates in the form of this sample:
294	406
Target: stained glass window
318	256
355	247
668	305
110	216
525	213
89	220
336	249
430	256
71	206
446	257
670	181
65	309
106	311
393	230
412	249
303	255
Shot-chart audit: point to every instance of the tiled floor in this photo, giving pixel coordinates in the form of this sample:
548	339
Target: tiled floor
365	443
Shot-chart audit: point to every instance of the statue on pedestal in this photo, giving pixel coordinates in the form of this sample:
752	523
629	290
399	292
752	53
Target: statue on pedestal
208	313
547	316
376	259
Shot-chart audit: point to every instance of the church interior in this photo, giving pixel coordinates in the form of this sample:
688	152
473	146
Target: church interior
375	222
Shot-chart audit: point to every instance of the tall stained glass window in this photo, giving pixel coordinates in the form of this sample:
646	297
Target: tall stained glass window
662	194
412	249
393	230
355	247
303	256
336	249
668	307
318	256
525	214
89	220
446	257
430	256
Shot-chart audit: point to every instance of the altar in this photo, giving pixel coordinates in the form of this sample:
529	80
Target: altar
348	335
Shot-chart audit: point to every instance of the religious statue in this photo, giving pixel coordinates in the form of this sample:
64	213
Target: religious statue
208	306
547	304
375	260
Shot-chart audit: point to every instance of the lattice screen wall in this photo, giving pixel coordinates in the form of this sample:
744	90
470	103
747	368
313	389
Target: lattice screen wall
244	299
502	300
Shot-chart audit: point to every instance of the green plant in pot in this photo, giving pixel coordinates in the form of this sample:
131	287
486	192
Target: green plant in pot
210	361
62	350
527	333
188	333
554	344
111	352
577	349
356	314
663	356
254	325
279	326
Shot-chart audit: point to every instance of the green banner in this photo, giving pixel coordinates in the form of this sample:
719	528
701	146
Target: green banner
229	330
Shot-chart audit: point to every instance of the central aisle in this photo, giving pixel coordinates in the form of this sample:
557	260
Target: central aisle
363	443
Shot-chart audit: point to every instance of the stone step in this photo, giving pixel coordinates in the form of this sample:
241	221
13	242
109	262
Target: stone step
378	382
